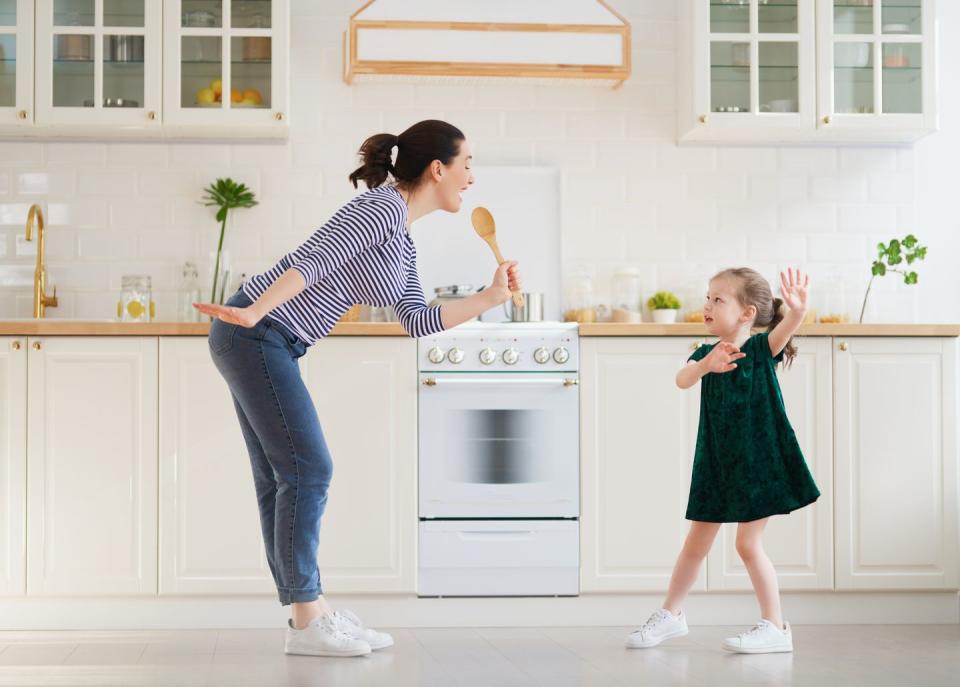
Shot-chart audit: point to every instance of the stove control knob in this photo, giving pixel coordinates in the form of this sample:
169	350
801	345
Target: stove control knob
488	356
542	355
511	356
561	355
455	356
435	355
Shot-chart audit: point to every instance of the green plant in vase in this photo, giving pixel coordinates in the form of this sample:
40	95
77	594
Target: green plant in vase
225	195
889	257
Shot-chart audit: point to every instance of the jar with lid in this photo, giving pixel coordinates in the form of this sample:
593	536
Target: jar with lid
580	300
189	293
136	304
626	306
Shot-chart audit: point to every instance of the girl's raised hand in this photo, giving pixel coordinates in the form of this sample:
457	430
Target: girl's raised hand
793	288
723	356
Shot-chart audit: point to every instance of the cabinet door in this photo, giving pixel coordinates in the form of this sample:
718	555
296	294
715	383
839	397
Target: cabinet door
365	390
752	67
13	464
92	466
99	62
638	434
896	463
16	62
226	63
877	65
799	544
210	540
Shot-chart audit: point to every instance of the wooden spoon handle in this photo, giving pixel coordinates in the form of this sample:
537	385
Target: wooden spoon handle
518	300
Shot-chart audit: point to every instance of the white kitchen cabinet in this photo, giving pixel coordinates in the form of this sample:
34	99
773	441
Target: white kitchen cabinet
98	64
799	544
16	63
365	390
13	464
92	466
895	431
210	539
638	435
243	45
801	71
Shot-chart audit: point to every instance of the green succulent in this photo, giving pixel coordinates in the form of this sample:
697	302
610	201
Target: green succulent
663	300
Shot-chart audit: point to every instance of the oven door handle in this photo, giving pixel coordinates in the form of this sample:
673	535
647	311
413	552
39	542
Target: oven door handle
434	381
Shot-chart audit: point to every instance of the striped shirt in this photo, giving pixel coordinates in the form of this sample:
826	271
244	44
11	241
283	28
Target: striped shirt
363	254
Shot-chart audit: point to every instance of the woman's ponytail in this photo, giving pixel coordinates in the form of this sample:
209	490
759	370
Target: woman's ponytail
375	154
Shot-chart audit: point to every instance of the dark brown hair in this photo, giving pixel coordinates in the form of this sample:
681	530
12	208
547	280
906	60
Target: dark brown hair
417	147
753	289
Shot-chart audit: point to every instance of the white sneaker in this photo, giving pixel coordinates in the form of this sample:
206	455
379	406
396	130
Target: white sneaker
350	623
324	636
661	626
763	638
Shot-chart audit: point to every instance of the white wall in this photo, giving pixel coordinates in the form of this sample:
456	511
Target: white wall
629	195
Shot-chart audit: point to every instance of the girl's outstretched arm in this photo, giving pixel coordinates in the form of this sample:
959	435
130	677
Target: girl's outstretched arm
794	289
721	359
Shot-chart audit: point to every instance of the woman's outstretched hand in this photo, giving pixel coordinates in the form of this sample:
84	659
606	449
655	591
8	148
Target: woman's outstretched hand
722	358
245	317
506	280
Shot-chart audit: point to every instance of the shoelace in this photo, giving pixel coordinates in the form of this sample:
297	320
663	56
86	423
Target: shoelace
652	621
333	625
756	629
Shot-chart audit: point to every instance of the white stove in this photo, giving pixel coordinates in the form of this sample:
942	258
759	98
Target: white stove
499	460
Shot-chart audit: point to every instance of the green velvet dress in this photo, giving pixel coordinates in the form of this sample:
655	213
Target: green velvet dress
748	464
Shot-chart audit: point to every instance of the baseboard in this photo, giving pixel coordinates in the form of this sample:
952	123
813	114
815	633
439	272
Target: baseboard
807	608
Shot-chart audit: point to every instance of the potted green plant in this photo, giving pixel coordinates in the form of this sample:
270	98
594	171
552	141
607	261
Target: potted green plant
225	195
889	256
664	307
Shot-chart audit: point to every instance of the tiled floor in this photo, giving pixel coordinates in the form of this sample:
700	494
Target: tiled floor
825	656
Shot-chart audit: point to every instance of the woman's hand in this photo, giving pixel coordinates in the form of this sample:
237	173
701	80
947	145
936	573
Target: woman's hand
245	317
506	280
722	357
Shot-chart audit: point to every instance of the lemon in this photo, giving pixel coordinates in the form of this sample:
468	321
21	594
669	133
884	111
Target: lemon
206	95
135	308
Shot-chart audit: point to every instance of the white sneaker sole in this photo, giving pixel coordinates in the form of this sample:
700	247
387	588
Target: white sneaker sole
349	653
382	645
776	649
649	645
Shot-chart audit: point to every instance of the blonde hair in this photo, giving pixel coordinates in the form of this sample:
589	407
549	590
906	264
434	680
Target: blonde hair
753	289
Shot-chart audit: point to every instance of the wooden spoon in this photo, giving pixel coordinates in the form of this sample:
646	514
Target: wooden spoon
487	230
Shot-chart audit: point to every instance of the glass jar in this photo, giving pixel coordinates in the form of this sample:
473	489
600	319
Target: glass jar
189	293
580	303
626	306
135	303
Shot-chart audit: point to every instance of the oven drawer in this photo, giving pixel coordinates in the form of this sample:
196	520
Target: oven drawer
499	558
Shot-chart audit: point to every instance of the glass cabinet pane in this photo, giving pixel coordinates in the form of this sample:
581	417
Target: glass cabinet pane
73	70
250	71
777	16
853	16
8	70
123	71
729	16
123	13
8	12
729	76
853	77
779	76
250	14
201	71
902	90
900	16
201	13
73	12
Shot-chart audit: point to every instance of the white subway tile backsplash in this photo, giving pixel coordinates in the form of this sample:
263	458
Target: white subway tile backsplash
839	187
722	187
132	215
748	216
78	212
76	154
892	188
683	216
596	126
833	247
674	158
107	182
106	243
138	155
868	160
744	159
802	217
60	182
865	217
655	188
809	160
534	126
778	187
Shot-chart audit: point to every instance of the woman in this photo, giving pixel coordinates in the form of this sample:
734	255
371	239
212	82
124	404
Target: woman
363	254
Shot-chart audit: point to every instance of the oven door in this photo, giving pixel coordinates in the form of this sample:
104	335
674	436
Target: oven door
498	445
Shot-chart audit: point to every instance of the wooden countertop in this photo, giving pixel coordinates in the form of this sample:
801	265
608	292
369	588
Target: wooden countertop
54	327
697	329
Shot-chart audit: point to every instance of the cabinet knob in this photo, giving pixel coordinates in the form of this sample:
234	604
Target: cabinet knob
278	116
16	345
828	119
22	114
36	345
844	346
695	345
702	119
151	115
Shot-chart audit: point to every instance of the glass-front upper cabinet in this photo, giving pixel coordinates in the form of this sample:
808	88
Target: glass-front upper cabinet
753	65
98	62
16	62
226	62
877	65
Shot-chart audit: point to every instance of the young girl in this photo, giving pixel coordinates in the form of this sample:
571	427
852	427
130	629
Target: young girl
748	465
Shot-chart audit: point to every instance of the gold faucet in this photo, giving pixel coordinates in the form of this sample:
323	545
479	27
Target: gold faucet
41	301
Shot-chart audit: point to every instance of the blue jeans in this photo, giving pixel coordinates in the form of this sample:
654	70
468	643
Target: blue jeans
290	459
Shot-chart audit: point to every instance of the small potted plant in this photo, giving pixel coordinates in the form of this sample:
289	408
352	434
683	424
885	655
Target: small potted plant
664	306
225	195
